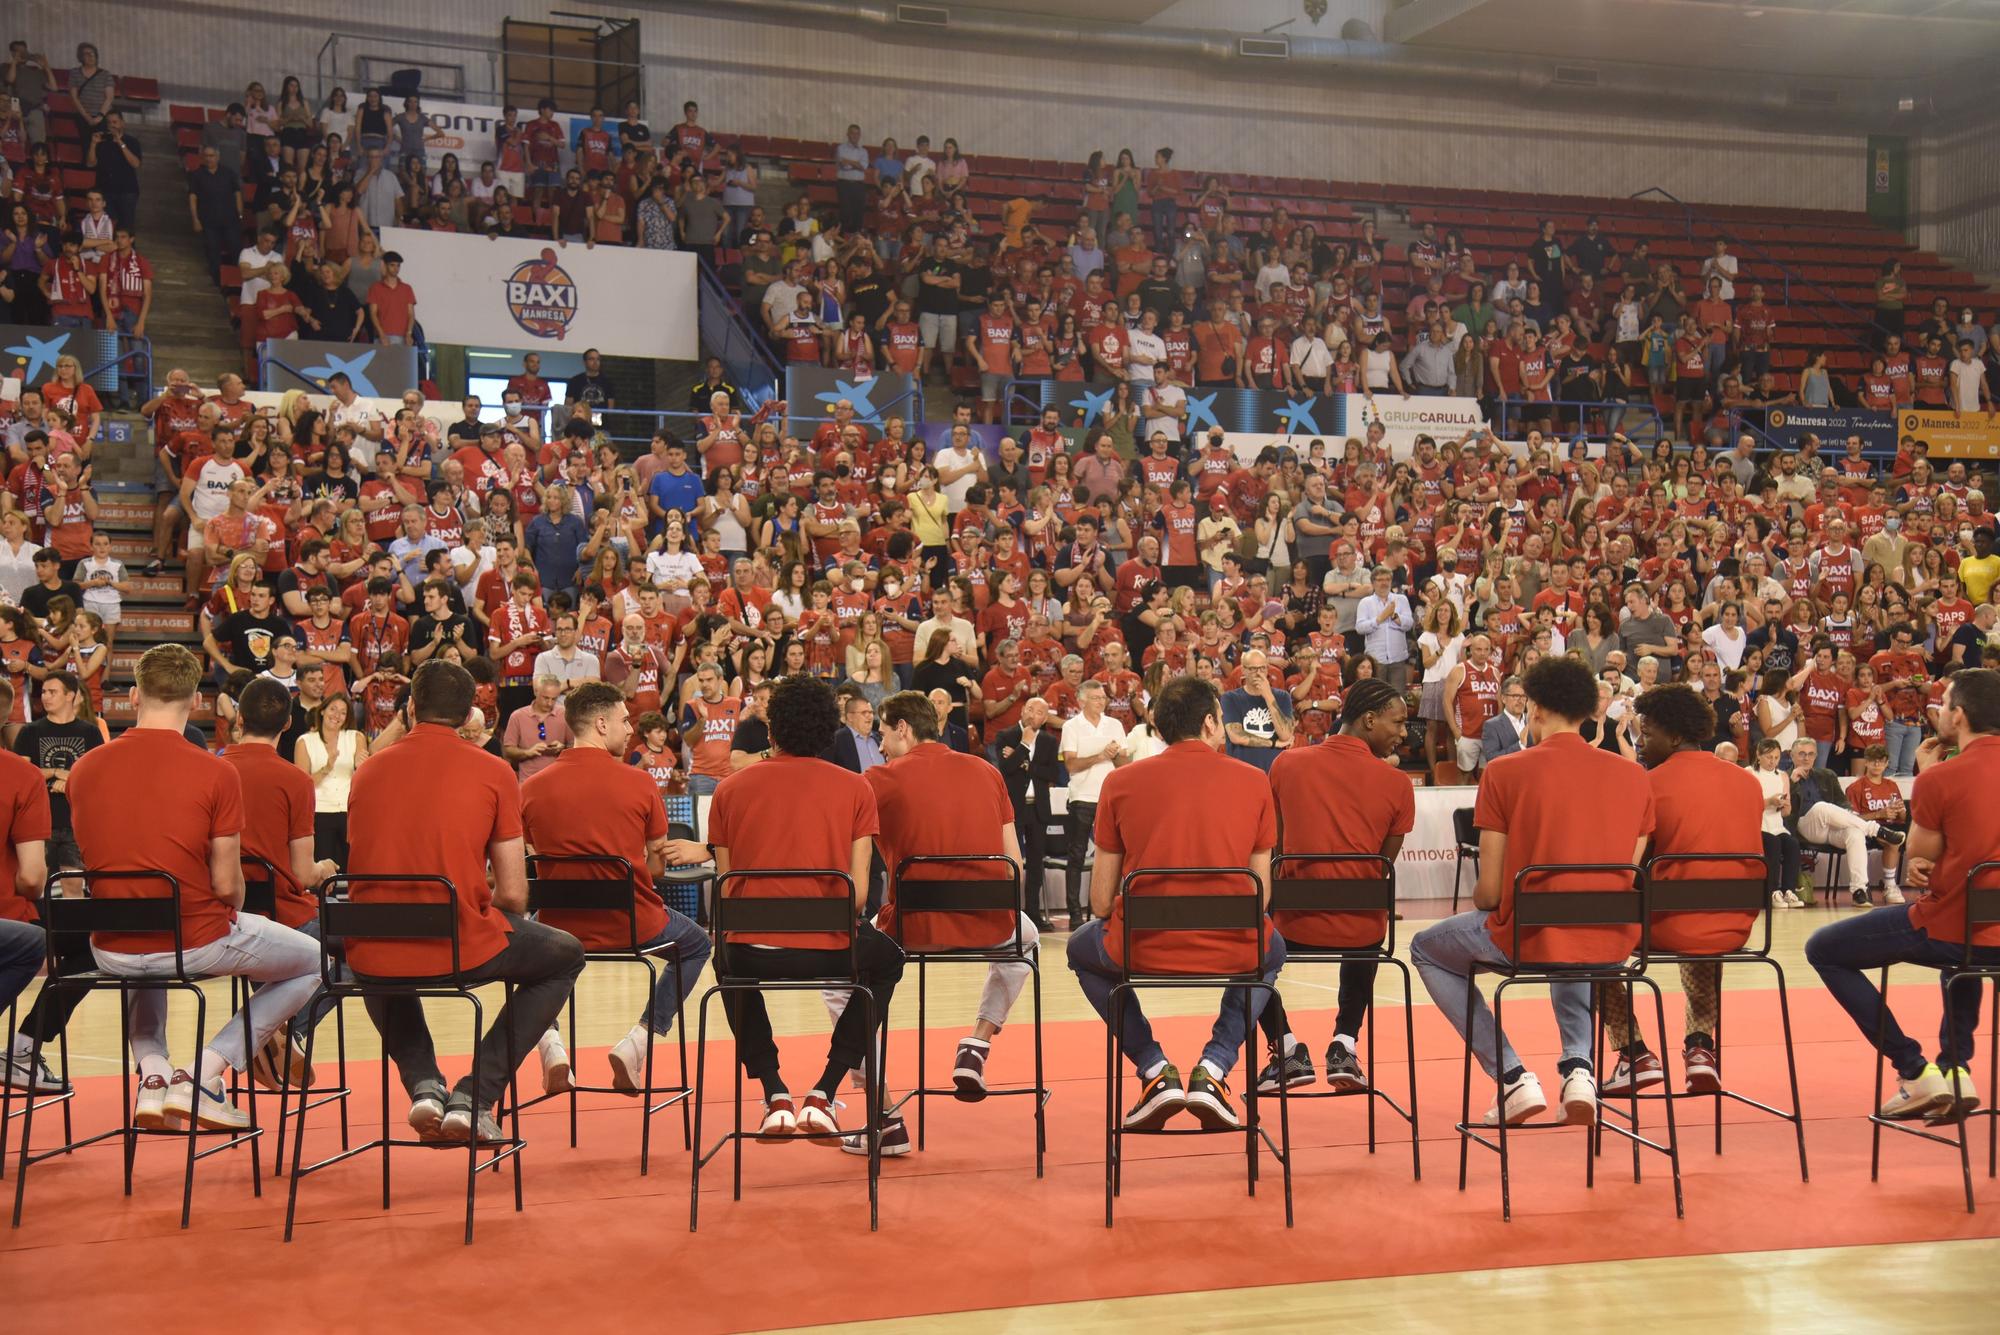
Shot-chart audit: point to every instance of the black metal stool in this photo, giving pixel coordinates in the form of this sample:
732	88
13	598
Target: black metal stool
1717	895
1371	894
784	916
1982	909
611	890
1191	913
343	922
1466	837
1563	908
52	1099
956	897
159	915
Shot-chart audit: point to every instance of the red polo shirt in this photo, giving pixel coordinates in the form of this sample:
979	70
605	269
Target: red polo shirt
1189	806
24	806
791	811
430	805
1338	797
585	802
151	802
1705	805
1956	800
1564	801
933	802
277	808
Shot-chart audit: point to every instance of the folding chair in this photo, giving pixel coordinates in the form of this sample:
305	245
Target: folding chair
260	895
1468	847
1242	912
611	890
1563	908
1375	893
342	923
1718	895
916	895
783	916
155	914
1982	909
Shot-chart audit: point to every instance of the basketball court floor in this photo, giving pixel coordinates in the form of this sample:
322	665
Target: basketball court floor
972	1241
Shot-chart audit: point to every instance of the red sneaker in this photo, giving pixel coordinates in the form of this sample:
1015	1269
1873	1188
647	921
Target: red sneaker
1640	1072
1704	1074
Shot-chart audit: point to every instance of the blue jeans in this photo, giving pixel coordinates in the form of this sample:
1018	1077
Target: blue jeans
1444	954
131	381
702	785
1844	950
1097	975
694	946
1164	213
1902	741
1822	752
21	948
71	322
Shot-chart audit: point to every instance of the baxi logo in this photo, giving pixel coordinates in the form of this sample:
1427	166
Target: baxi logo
541	296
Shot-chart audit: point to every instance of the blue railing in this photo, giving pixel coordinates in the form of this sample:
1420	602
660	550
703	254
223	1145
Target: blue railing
1617	411
728	334
134	348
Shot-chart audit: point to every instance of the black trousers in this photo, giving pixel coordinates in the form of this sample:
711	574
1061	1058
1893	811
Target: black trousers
543	965
1078	822
221	243
330	837
514	693
1357	990
877	965
53	1006
1781	861
1031	824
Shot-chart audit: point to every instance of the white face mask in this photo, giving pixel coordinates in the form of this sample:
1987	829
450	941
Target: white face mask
855	584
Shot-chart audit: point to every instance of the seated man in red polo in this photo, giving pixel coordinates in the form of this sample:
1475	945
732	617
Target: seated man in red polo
1345	795
1954	827
795	810
932	801
1562	800
590	803
1701	804
1189	806
434	804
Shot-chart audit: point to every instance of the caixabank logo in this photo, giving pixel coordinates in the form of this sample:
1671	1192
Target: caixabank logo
541	296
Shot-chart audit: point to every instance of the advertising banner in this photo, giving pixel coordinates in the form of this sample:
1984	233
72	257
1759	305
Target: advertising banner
1789	426
466	128
31	352
811	391
1953	435
535	295
377	370
1294	418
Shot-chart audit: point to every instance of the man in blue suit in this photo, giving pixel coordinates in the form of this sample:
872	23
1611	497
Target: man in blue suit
1507	731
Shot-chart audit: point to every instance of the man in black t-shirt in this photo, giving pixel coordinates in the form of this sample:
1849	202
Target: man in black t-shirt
1779	643
465	431
251	633
589	385
53	743
439	625
48	584
310	573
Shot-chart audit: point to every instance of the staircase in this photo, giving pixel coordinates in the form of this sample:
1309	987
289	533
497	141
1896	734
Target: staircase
189	324
156	609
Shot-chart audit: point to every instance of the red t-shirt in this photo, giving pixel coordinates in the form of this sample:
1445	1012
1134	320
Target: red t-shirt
24	804
1338	797
587	802
1820	701
1873	799
430	805
711	726
150	801
934	802
1564	800
1956	800
1705	805
1189	806
796	812
393	306
278	804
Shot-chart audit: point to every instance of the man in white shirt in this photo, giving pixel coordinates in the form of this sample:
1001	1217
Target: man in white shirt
1274	272
959	466
1311	358
1144	351
1166	409
255	265
349	409
1721	265
948	616
1968	381
1093	745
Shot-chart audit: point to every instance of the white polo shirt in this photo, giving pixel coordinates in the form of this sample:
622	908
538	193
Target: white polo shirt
1081	737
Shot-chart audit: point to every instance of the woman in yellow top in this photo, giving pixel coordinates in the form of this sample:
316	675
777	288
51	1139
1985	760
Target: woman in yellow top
930	520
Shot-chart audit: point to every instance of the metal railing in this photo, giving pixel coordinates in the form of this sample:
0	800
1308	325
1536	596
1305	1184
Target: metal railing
1788	276
131	347
1617	412
351	60
726	333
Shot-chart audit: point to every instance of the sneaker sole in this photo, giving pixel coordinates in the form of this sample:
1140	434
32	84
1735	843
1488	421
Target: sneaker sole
1153	1115
1298	1081
152	1120
1625	1091
1700	1081
968	1086
779	1136
1527	1114
827	1137
425	1123
1212	1114
1917	1112
1347	1084
623	1078
209	1121
858	1146
556	1079
1580	1112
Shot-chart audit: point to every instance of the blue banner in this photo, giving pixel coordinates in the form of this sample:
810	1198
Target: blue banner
1790	425
378	370
31	352
1260	411
811	392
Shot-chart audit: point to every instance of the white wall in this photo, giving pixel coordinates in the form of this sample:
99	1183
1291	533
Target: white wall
1955	196
794	80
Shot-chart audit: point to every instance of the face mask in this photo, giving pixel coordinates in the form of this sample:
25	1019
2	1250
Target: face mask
854	585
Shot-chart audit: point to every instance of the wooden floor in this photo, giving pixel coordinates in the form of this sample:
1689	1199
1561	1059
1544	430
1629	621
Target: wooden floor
1939	1286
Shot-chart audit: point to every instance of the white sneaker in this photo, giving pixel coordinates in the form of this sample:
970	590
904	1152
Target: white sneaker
1922	1096
1892	893
1778	900
1580	1097
208	1108
1523	1100
1792	900
628	1066
780	1119
555	1065
149	1110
